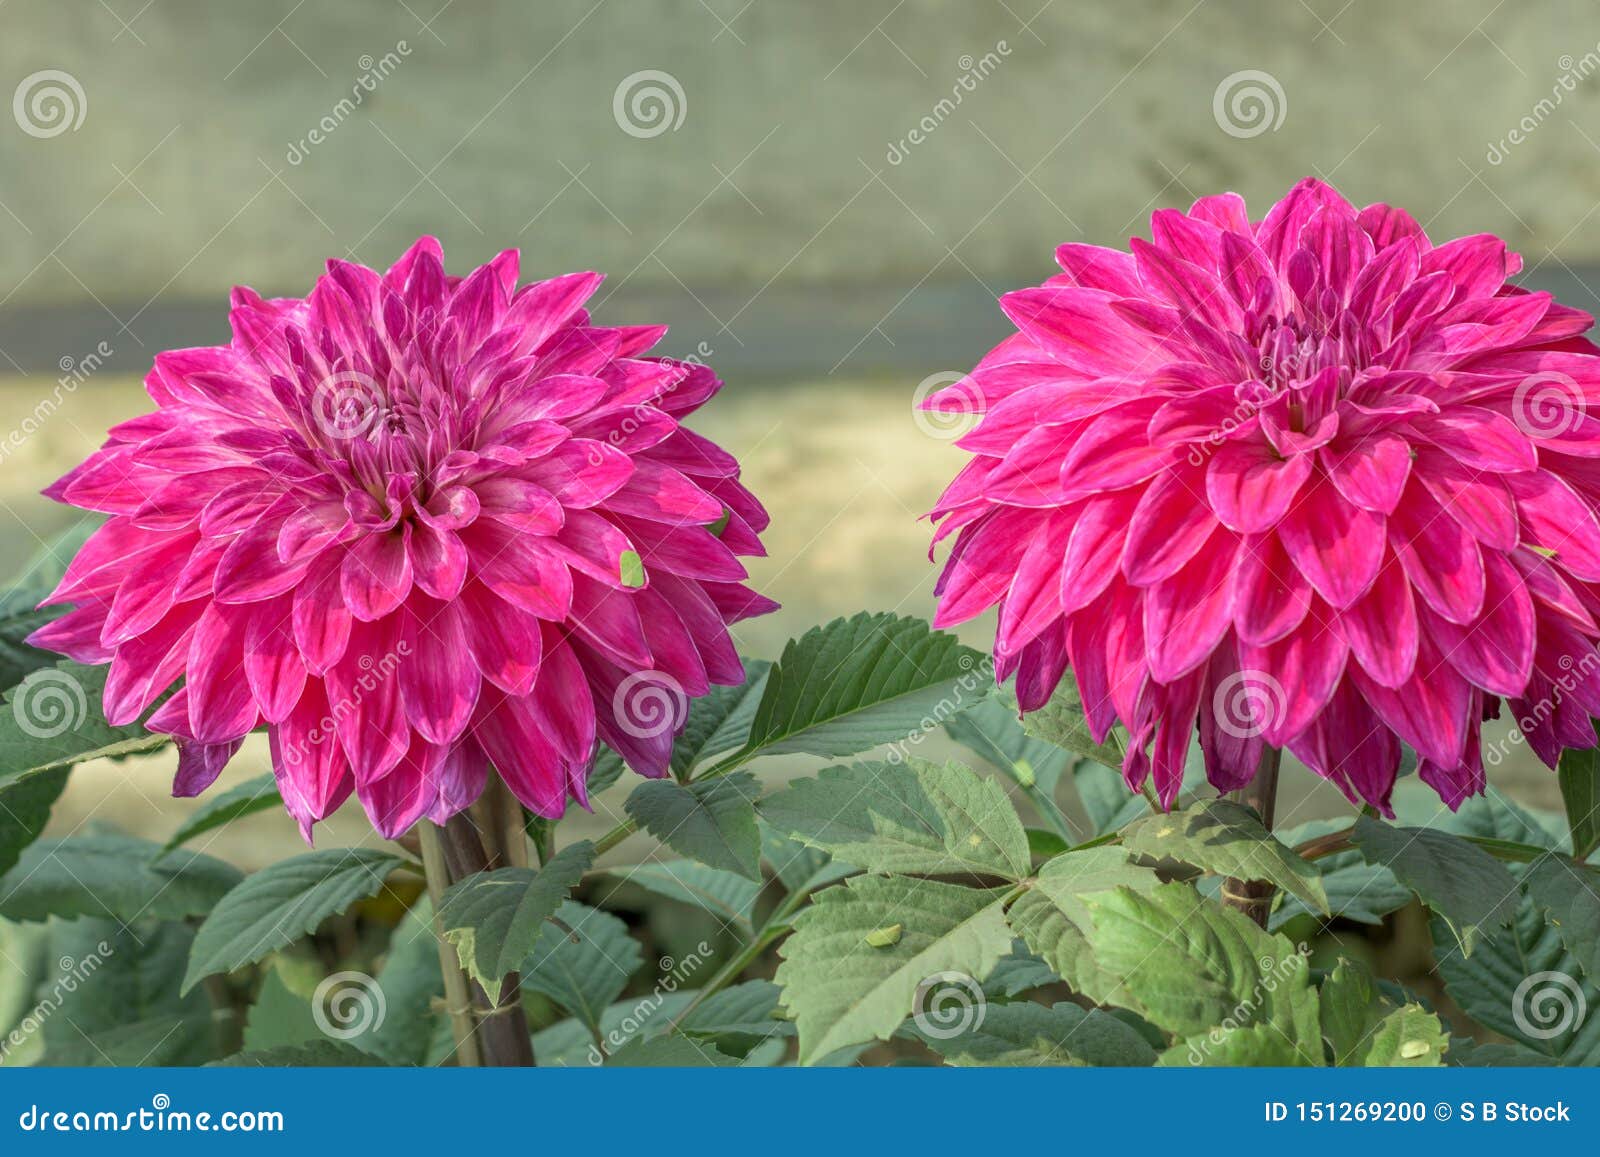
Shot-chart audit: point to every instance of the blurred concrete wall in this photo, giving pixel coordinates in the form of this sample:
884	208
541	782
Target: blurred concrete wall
493	124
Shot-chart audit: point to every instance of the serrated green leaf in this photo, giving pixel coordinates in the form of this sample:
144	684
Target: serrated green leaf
52	719
20	613
860	682
282	902
1461	882
672	1052
571	1043
911	817
1017	973
720	720
1188	965
740	1017
582	960
111	876
1579	775
843	991
1027	1034
1245	1046
1525	985
24	811
255	795
1409	1037
992	730
729	897
713	821
1052	919
493	919
1350	1006
1061	722
1570	892
800	868
1227	839
1356	890
1106	799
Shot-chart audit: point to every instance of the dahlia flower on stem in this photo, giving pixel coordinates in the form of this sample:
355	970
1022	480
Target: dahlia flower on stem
1309	482
414	526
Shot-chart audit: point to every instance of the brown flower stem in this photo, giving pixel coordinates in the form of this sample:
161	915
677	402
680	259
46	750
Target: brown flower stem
467	846
1254	897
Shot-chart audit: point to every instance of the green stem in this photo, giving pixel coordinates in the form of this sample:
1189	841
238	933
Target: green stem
1254	897
458	999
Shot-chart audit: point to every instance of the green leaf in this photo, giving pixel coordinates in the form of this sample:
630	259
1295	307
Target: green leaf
24	811
112	988
1106	799
1579	774
1525	985
1053	920
1226	839
1409	1037
411	983
493	919
111	876
729	897
1570	892
1027	1034
991	729
1188	965
608	768
800	868
670	1052
1017	973
1061	722
582	960
20	613
311	1055
1350	1006
571	1043
282	902
842	990
1458	880
912	817
720	721
859	682
255	795
52	719
740	1017
1245	1046
1356	890
713	822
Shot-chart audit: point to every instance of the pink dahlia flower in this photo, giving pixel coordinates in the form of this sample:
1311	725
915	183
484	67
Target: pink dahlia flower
416	525
1310	481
